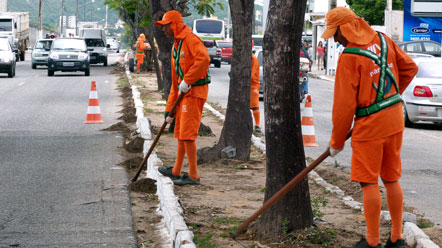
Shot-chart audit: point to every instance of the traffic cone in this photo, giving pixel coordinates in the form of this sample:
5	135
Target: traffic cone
93	110
307	126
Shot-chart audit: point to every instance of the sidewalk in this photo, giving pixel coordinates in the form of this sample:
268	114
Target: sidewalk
320	74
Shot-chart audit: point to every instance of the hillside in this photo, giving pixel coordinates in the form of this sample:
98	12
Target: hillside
95	11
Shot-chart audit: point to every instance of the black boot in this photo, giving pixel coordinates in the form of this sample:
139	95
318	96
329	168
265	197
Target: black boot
362	244
400	243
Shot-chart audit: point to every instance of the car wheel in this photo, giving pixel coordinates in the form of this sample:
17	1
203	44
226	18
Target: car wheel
105	62
408	123
87	72
34	66
50	73
14	69
11	71
131	65
218	64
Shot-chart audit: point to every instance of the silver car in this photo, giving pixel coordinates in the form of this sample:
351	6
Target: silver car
7	58
423	97
40	52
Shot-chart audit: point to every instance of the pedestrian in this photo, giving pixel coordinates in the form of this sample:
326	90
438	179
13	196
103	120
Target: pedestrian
190	66
371	74
320	52
140	46
254	92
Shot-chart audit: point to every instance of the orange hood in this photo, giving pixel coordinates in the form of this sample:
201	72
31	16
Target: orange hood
354	28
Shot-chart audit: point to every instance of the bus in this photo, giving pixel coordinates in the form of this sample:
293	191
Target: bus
209	29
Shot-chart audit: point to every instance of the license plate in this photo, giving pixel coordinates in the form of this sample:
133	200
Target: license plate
439	112
68	64
426	109
92	57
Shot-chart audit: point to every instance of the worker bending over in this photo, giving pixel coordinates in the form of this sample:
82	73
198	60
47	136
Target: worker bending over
372	72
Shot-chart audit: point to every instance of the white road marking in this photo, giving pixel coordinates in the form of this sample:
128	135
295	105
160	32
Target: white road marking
22	83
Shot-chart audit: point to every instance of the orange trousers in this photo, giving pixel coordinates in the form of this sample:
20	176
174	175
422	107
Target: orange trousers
140	61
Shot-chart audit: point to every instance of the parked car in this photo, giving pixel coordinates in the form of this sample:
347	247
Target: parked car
40	52
421	46
7	58
114	44
423	97
258	41
226	51
68	54
214	52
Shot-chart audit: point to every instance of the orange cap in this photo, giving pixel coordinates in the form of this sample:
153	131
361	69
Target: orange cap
353	27
169	17
335	18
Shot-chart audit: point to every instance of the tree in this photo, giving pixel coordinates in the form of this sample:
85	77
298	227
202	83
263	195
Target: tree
284	146
373	13
237	129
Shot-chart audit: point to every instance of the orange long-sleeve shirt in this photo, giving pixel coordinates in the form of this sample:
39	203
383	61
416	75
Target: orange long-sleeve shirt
356	77
194	61
255	72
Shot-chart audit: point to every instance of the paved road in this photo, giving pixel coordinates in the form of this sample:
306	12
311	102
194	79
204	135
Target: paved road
421	152
60	186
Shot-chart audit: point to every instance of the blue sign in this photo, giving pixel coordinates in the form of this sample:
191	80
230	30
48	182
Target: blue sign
421	27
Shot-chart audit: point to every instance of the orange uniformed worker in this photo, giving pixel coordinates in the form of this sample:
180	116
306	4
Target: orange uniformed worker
372	72
140	46
254	92
190	65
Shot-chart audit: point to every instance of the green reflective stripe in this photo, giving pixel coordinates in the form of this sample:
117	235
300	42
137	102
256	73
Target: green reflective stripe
381	85
376	107
380	102
179	72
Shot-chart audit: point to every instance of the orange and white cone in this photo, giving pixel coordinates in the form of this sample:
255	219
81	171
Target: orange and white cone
307	125
93	110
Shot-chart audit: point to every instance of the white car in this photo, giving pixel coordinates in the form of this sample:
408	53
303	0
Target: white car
7	58
114	44
423	97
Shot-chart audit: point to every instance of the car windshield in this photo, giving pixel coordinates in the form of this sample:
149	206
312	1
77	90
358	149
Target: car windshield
257	41
6	25
43	44
4	45
69	44
225	44
429	70
94	42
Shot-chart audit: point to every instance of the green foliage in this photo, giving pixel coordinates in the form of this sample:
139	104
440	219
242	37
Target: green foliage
317	202
206	7
204	241
373	10
326	237
285	226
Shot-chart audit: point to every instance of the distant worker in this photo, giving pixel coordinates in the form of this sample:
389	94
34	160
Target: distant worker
254	92
140	46
190	65
371	74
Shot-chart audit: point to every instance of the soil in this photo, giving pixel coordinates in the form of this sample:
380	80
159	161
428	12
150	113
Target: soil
232	190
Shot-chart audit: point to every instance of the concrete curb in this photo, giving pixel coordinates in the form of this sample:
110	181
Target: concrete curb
179	234
172	212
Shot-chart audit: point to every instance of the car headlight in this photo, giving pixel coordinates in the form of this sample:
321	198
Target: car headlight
53	56
6	59
82	56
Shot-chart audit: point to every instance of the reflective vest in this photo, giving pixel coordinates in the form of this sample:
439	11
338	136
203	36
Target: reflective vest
138	51
380	103
179	72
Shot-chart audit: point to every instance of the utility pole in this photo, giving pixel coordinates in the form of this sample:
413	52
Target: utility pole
76	20
105	24
84	14
40	21
61	20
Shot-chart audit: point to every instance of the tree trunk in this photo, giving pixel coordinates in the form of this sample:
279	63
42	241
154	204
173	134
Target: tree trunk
150	32
237	129
284	146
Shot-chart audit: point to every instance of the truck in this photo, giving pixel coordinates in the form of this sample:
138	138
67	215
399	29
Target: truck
14	26
96	43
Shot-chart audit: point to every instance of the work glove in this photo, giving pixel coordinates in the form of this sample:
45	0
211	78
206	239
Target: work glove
168	118
184	87
334	151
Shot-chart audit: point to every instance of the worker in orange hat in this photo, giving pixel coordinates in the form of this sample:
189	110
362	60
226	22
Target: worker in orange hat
140	46
372	72
254	92
190	67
